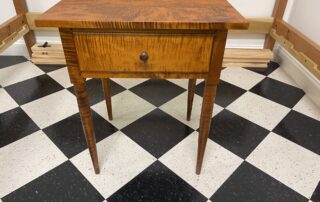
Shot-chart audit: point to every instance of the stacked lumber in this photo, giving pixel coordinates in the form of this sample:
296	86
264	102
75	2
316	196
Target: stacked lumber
53	54
235	57
48	54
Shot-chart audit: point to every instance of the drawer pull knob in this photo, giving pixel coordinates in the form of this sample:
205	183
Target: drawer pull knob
144	56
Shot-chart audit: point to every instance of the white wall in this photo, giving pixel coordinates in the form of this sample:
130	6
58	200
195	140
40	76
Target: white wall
305	16
247	8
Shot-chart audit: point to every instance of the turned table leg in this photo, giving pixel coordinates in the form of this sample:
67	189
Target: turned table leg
87	122
107	95
191	91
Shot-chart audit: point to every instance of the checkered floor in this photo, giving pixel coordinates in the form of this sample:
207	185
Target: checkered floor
263	146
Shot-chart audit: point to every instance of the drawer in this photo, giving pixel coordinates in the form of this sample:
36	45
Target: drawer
143	52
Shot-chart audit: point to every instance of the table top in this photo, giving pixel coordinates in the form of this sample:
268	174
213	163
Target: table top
143	14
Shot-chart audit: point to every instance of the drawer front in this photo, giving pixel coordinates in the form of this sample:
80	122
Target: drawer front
143	52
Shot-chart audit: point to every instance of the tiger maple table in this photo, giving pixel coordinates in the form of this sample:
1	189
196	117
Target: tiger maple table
146	39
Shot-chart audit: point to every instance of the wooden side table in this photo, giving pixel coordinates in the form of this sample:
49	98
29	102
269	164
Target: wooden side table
144	39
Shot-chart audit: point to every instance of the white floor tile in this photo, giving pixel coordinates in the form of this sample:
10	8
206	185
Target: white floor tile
128	83
280	75
6	101
18	72
259	110
61	76
27	159
127	108
288	162
120	160
241	77
218	164
177	108
307	107
183	82
52	108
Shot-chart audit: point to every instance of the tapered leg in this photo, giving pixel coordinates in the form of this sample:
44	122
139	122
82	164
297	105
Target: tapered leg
205	122
107	95
191	90
87	123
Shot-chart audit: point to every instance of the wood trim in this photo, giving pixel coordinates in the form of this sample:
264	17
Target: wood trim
259	25
300	46
13	38
11	26
278	13
29	38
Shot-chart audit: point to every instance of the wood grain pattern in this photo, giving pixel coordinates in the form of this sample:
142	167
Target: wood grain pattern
120	52
11	26
278	13
29	38
87	122
209	94
81	94
143	14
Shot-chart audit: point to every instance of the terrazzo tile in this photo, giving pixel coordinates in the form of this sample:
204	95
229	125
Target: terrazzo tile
15	124
52	108
218	164
157	91
18	73
120	160
239	77
7	103
22	161
6	60
177	108
32	89
300	129
248	183
307	107
61	76
235	133
259	110
157	183
68	133
127	108
293	165
157	132
63	183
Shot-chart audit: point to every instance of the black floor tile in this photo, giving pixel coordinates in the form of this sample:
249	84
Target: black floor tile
226	93
316	194
279	92
270	67
32	89
69	137
50	68
236	134
157	91
248	183
157	183
15	124
6	61
300	129
63	183
94	87
157	132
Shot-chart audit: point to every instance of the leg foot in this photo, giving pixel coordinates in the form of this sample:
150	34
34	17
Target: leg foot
107	95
